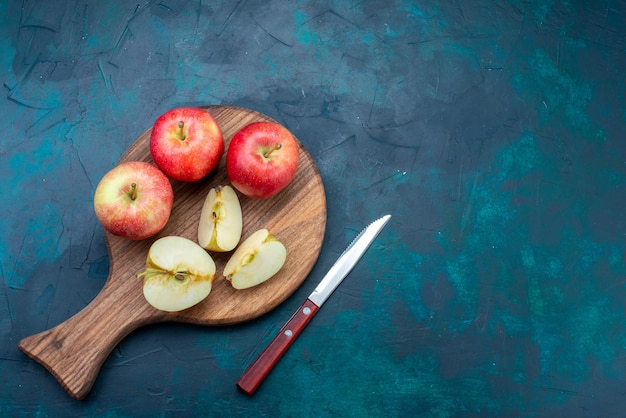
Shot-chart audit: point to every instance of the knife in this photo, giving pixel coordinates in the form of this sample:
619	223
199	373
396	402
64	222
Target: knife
258	371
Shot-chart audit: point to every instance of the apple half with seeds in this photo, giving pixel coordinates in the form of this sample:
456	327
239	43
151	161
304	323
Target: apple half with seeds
179	274
258	258
221	221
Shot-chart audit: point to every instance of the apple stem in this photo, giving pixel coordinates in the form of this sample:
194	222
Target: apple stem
275	147
149	273
181	125
133	191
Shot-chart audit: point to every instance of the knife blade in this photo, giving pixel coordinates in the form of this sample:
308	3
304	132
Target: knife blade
261	367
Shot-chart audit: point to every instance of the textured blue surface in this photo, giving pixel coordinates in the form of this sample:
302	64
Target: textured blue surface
493	132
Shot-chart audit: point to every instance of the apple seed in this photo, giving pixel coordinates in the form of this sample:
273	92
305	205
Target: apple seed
218	211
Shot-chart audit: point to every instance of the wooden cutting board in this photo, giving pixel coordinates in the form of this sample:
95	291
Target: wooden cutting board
75	350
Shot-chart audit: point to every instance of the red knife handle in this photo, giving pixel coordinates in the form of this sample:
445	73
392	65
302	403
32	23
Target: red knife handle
258	371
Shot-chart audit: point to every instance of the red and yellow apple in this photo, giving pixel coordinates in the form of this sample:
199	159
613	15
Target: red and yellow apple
179	274
133	200
262	159
186	143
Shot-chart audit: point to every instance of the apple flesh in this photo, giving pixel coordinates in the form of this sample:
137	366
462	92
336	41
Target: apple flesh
221	221
257	259
179	274
133	200
186	143
262	159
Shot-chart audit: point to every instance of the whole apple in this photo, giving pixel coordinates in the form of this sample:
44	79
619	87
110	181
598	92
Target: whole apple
186	143
262	159
133	200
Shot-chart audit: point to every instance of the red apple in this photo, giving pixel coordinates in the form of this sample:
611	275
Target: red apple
186	143
262	159
134	200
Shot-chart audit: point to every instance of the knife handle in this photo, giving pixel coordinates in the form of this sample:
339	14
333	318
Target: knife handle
258	371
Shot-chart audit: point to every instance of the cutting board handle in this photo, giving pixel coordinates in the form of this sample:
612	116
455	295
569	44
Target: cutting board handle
75	350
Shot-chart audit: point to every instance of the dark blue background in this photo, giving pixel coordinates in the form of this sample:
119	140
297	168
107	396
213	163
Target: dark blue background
493	131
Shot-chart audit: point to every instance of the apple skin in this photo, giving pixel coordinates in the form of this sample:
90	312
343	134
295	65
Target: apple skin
262	159
186	143
134	214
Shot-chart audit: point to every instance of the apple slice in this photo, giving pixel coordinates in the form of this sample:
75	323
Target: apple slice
258	258
221	220
179	274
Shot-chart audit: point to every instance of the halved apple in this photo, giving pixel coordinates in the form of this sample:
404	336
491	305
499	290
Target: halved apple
258	258
179	274
221	221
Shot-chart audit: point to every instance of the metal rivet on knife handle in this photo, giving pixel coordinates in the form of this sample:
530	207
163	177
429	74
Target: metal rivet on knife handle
258	371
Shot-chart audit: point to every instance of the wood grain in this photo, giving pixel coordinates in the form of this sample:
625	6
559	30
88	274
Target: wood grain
74	350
